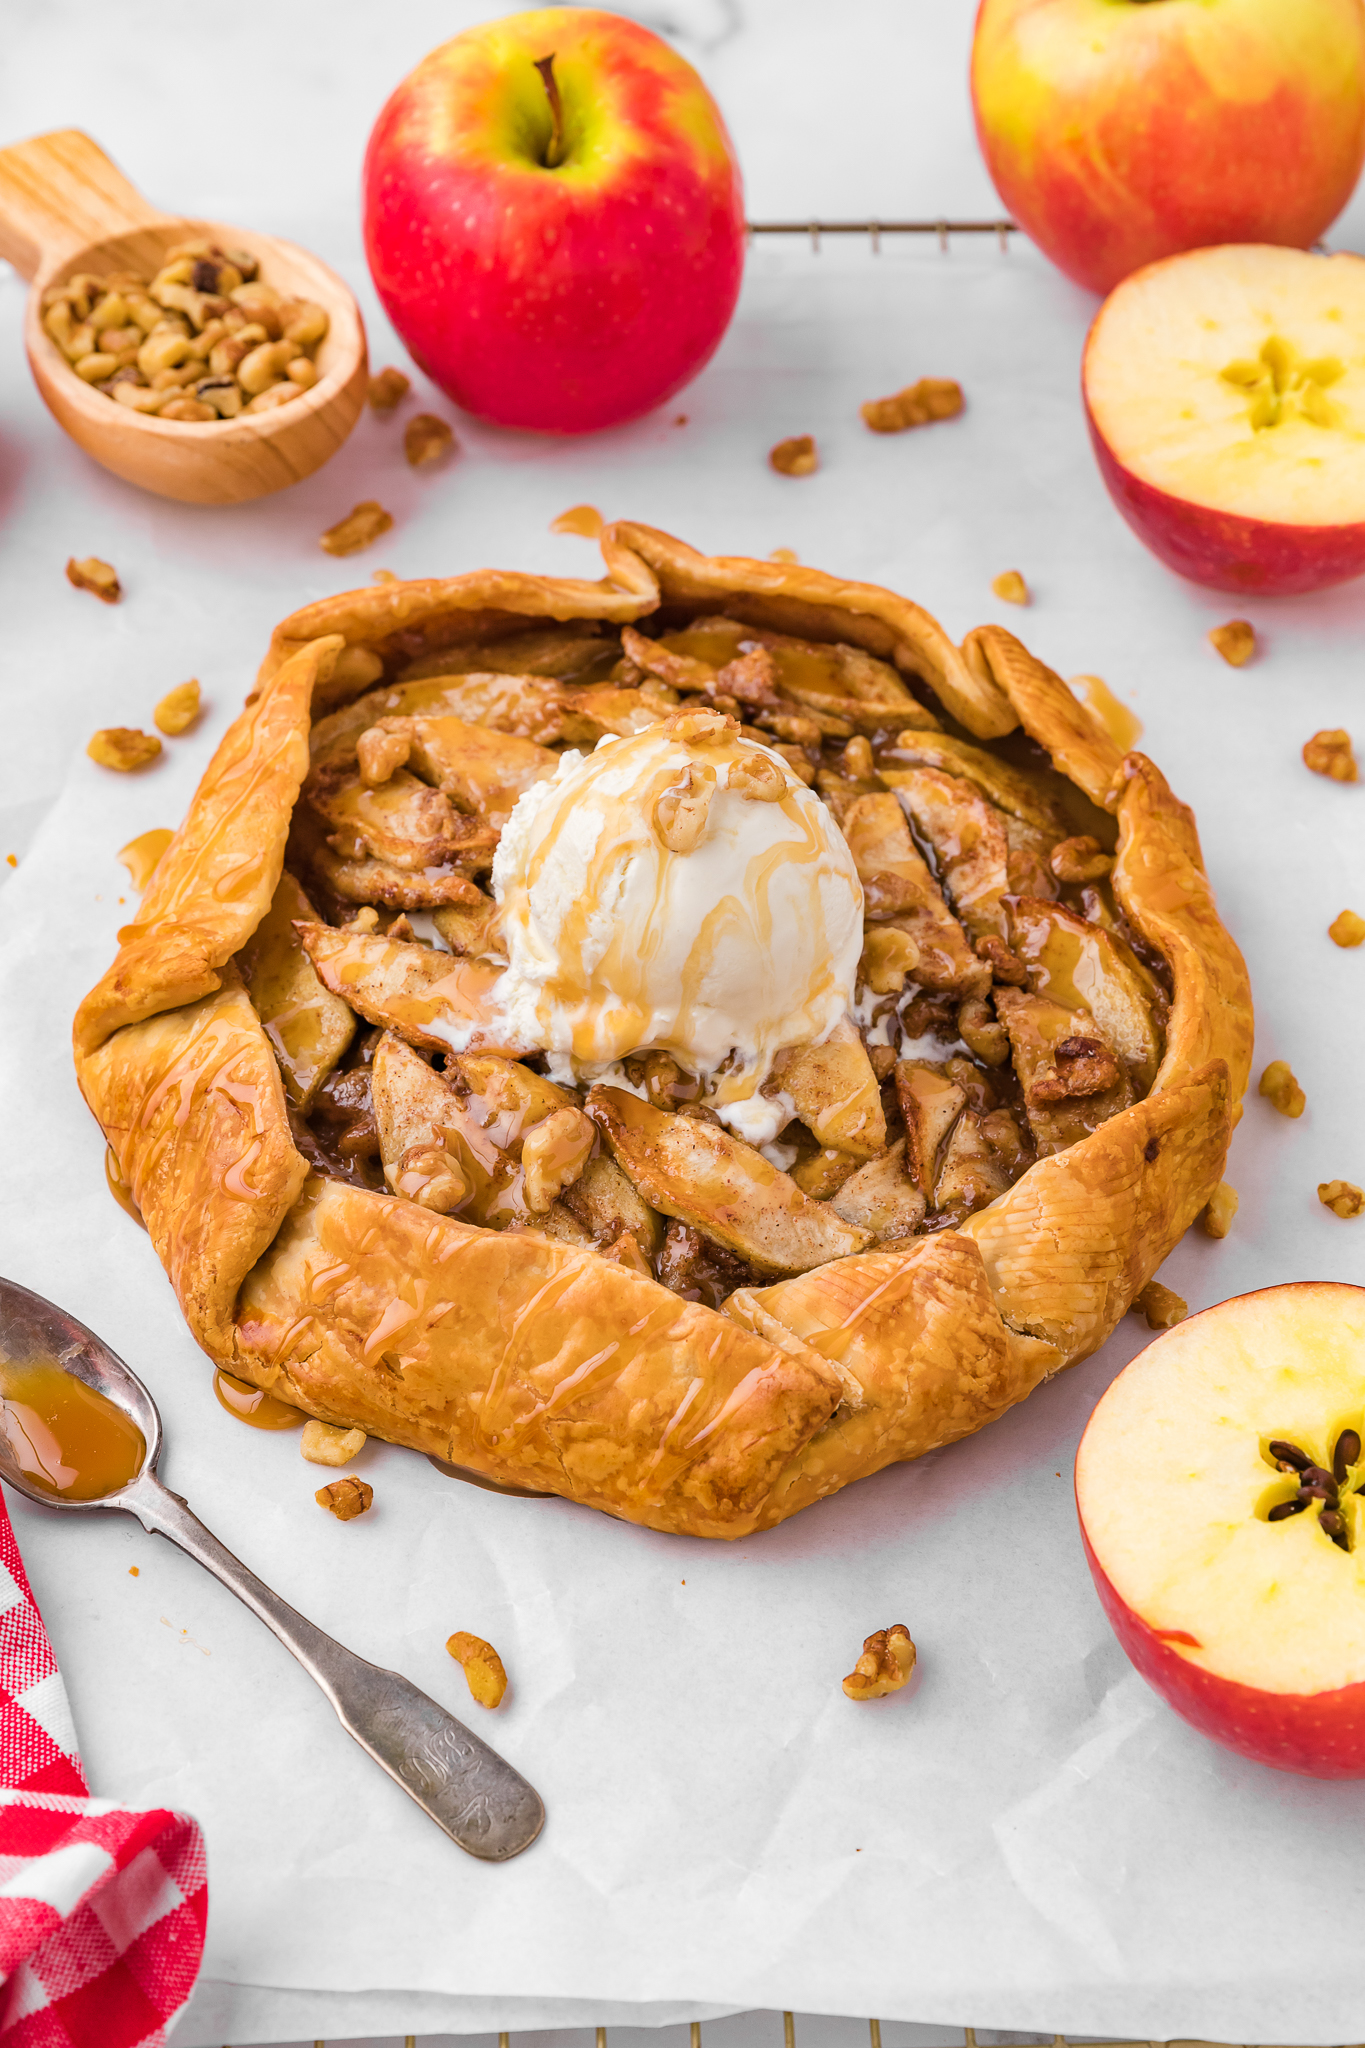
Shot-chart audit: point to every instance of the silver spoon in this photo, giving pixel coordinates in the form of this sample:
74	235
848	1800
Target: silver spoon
467	1788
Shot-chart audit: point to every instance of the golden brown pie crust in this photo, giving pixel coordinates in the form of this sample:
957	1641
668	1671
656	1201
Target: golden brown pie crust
543	1364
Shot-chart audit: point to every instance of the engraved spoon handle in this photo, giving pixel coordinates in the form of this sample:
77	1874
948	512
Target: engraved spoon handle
467	1788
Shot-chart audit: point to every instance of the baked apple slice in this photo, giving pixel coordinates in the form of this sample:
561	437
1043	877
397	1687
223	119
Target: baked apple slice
429	998
882	1198
1083	966
402	822
966	836
1225	391
900	893
702	1175
835	1093
309	1027
1071	1079
1218	1485
481	770
931	1103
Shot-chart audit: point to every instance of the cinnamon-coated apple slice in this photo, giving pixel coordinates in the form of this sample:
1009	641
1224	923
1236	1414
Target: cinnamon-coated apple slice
1081	965
309	1027
702	1175
882	1197
967	838
1218	1487
479	769
431	999
900	891
834	1091
1225	391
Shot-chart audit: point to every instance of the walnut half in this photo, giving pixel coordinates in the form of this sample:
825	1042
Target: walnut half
886	1663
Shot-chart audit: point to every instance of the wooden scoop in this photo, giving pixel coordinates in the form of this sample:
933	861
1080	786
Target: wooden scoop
64	208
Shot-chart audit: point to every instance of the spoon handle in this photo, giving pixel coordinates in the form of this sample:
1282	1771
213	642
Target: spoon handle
58	194
468	1789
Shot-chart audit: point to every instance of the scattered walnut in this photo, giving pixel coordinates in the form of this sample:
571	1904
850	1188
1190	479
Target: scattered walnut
327	1443
756	778
796	456
426	439
1222	1207
1347	930
886	1663
981	1034
431	1177
889	956
932	398
387	387
1236	642
95	576
783	555
1281	1090
381	754
178	709
1162	1308
383	576
680	813
554	1154
345	1498
1342	1197
1081	859
1011	587
123	747
1329	753
482	1667
362	525
1081	1066
1004	965
140	855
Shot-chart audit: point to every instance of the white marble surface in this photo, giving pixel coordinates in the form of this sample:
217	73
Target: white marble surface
1029	1842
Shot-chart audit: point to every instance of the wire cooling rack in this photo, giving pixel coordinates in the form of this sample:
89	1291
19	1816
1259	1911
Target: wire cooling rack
874	2029
815	230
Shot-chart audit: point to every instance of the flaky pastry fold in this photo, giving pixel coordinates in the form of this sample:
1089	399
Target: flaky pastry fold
541	1363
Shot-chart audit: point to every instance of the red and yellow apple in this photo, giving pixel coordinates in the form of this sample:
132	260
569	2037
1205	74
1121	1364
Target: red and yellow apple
1225	393
554	219
1218	1485
1120	131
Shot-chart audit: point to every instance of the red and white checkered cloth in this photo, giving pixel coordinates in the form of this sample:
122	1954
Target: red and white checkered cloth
101	1909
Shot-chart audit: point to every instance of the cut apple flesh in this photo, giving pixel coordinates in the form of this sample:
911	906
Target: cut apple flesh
1218	1485
1225	391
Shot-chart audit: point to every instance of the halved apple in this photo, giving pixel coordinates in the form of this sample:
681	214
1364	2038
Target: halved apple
1219	1490
1225	391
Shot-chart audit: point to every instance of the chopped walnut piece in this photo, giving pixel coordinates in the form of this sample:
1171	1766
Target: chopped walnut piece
426	439
1081	859
553	1155
889	956
1010	586
983	1035
384	576
345	1498
432	1177
1342	1197
1347	930
328	1443
1281	1090
783	555
701	728
1004	965
362	525
886	1663
1081	1066
387	387
932	398
756	778
178	709
625	1251
482	1667
1162	1307
1236	641
796	456
123	747
95	576
1329	753
1221	1208
381	754
680	813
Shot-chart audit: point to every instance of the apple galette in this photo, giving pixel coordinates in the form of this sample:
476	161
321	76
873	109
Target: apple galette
681	1042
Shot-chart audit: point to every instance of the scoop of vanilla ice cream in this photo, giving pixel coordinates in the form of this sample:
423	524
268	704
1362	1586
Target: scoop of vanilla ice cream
678	890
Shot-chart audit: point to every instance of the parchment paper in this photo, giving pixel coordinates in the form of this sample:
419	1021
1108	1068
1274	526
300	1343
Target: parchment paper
1028	1839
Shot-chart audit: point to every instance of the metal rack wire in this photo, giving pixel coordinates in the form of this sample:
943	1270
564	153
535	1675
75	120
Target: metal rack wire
874	2029
875	229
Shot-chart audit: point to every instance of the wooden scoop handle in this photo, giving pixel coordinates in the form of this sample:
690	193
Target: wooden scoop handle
58	194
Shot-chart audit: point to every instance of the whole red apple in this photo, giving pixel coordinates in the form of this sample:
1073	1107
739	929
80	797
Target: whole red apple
1219	1490
1225	393
1119	131
554	219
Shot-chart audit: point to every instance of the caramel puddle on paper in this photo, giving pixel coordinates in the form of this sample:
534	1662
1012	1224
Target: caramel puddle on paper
1123	726
253	1404
584	519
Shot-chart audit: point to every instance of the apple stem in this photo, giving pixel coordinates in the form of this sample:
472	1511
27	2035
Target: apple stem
554	154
